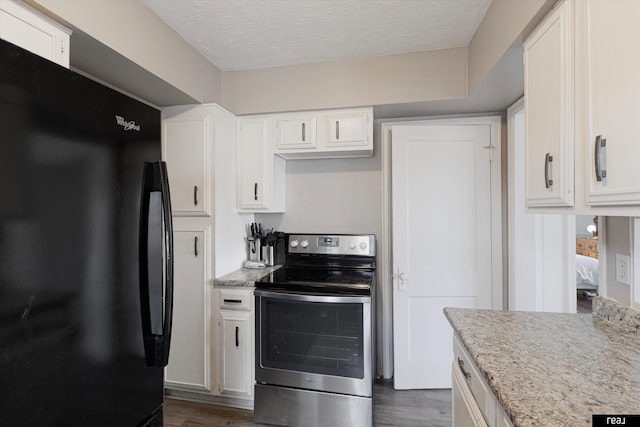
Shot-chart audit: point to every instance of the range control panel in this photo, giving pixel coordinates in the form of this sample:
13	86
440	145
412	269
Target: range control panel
335	244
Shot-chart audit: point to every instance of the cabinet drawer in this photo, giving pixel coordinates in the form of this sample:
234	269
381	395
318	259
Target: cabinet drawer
479	389
235	299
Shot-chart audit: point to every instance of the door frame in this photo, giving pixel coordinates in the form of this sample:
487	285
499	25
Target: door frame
385	272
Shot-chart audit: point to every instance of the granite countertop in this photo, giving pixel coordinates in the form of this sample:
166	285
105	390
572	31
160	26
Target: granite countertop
556	369
244	277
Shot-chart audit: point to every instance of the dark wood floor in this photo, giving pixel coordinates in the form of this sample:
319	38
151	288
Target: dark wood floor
584	303
391	408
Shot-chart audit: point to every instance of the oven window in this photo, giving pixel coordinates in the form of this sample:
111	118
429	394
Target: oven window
322	338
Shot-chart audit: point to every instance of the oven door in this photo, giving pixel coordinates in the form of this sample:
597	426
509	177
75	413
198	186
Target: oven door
314	342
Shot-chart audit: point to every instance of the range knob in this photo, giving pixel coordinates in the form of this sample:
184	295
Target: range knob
352	245
293	243
304	244
363	245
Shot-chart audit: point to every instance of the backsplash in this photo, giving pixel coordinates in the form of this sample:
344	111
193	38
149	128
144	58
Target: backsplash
612	311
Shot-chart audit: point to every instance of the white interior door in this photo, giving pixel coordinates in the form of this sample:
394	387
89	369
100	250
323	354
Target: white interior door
442	242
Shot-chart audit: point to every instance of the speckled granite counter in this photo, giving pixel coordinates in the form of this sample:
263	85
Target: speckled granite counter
244	277
552	369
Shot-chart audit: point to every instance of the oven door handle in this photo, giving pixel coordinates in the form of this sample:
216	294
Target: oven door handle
305	297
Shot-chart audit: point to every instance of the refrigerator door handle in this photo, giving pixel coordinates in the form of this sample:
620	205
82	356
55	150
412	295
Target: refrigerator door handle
156	264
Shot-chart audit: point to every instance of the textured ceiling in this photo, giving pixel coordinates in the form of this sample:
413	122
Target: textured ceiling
249	34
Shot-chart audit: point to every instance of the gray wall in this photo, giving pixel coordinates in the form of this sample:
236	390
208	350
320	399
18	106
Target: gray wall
582	221
331	196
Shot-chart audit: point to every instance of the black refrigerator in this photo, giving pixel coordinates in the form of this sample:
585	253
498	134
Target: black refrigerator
85	251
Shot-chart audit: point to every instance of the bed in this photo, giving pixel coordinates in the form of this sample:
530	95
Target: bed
587	266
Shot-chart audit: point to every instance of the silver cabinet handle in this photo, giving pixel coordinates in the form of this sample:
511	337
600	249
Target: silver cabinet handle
195	195
601	172
303	132
548	159
466	374
255	191
337	129
195	246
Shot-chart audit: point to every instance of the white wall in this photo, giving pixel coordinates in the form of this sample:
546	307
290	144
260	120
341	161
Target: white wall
437	74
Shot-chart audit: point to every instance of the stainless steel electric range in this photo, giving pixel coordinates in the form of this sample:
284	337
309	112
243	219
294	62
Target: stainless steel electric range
314	333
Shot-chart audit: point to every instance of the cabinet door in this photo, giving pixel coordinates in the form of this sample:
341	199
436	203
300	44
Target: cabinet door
613	68
253	152
465	411
189	359
348	130
30	30
235	364
186	147
549	94
296	133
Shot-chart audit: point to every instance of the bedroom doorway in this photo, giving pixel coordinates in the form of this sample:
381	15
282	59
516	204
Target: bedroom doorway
587	268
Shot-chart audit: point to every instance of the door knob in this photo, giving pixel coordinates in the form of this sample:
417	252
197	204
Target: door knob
403	276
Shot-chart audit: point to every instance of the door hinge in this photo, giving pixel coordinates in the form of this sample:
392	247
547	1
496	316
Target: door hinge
491	149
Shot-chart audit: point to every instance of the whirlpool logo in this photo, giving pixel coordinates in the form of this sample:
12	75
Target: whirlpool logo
127	125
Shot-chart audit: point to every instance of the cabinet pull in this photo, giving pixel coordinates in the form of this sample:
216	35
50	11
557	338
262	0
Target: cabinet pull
601	172
548	159
232	301
303	132
195	195
237	336
255	191
195	246
337	129
466	374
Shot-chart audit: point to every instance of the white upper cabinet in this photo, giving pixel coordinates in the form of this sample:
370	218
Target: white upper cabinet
349	129
187	147
33	31
549	102
613	76
261	175
296	132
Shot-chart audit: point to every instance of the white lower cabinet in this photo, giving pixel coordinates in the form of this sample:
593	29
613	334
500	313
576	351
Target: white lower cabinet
190	357
234	342
473	402
465	411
